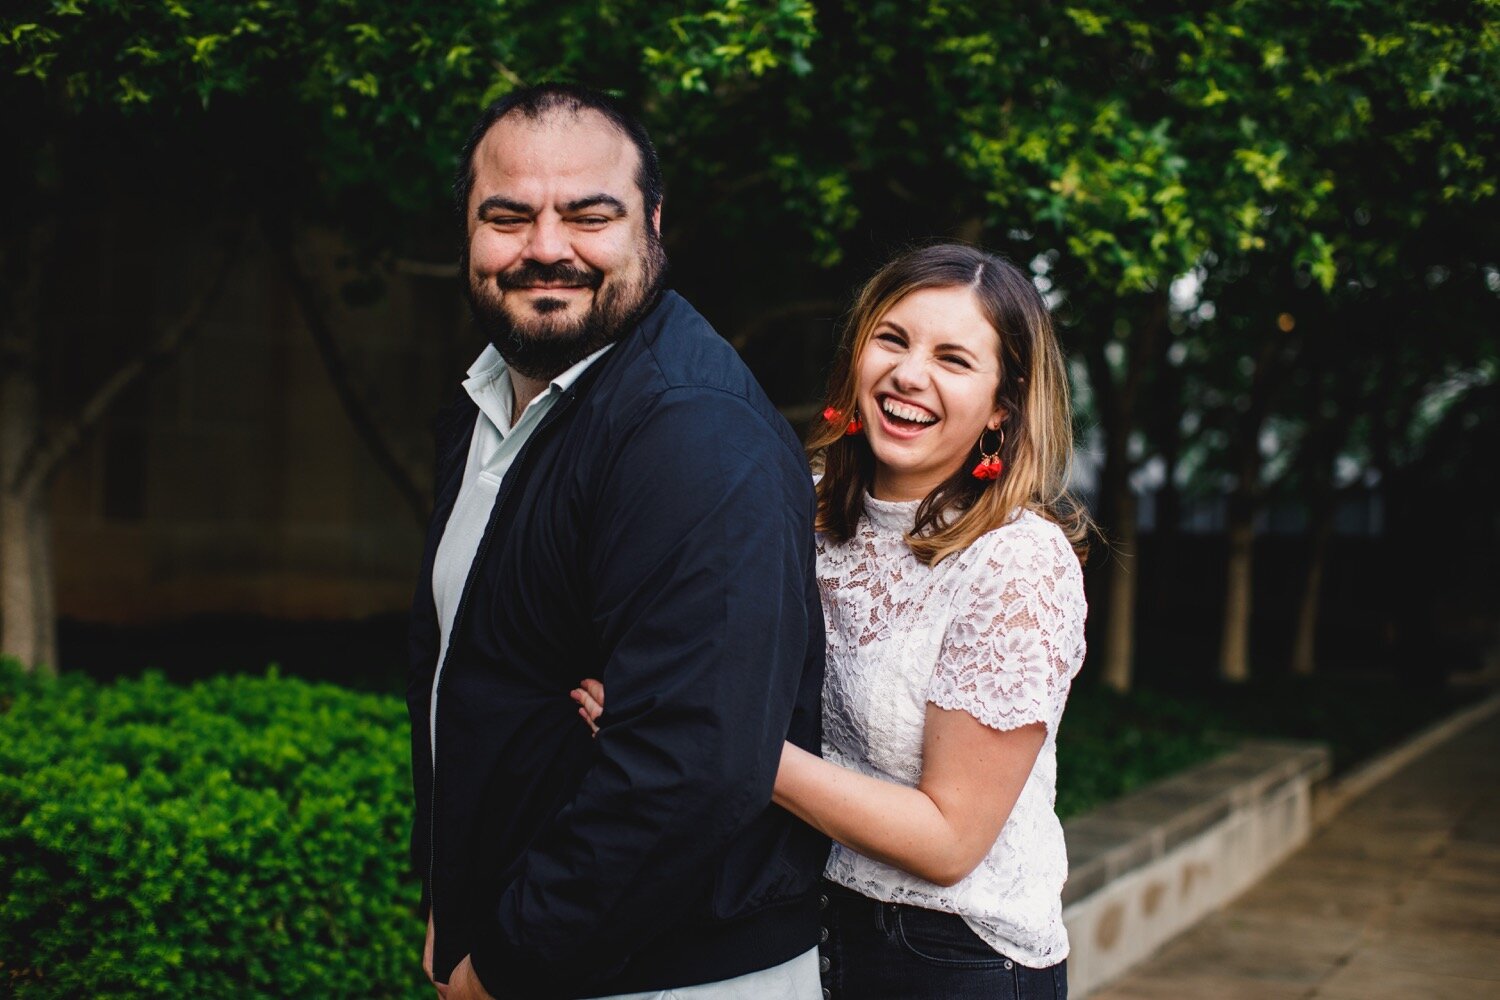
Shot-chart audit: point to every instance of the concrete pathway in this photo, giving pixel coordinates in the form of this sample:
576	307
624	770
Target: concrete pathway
1397	897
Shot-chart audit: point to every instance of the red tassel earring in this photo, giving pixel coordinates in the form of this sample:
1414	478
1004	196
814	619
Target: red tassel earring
833	416
989	466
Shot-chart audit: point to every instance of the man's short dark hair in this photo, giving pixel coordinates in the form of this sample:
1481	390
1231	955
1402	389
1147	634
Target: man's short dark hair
549	98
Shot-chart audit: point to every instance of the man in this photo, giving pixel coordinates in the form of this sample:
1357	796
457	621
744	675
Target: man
615	498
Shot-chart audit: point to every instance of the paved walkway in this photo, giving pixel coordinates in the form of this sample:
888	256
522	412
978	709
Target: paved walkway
1399	896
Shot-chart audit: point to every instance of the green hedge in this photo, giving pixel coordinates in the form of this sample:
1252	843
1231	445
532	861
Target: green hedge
1110	744
245	836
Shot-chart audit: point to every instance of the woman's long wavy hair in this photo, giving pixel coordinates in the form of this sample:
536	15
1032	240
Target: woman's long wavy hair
1033	391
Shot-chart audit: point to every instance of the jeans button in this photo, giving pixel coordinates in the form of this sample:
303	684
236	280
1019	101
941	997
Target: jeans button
824	965
822	902
822	935
1009	964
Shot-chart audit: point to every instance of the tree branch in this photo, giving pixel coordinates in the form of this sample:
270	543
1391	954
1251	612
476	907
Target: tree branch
355	407
48	453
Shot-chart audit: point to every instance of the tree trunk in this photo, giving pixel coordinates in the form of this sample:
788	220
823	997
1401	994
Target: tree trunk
1117	515
1304	644
46	587
1234	651
30	456
1168	435
1239	574
26	633
1326	435
1118	404
1119	631
17	609
22	633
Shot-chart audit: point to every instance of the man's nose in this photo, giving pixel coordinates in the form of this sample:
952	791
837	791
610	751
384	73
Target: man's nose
549	241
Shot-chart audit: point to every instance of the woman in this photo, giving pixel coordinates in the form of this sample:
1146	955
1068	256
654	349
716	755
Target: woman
948	556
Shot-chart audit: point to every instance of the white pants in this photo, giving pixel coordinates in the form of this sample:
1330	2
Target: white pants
794	980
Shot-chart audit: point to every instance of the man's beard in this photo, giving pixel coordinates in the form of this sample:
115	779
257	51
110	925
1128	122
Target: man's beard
544	344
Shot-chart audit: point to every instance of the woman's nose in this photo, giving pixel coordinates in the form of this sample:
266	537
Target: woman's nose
910	371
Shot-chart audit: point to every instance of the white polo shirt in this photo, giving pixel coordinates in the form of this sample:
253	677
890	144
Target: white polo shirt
493	449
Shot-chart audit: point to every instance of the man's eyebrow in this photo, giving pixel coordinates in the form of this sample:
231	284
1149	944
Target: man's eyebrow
497	203
596	201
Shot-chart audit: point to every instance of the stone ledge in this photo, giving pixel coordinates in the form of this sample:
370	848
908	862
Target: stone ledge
1148	865
1144	825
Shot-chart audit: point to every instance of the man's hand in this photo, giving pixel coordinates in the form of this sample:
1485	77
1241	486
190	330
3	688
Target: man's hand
464	985
442	988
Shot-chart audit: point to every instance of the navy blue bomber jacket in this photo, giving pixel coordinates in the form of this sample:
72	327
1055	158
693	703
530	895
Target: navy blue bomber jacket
655	532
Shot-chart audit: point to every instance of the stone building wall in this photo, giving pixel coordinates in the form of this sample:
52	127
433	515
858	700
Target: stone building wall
232	480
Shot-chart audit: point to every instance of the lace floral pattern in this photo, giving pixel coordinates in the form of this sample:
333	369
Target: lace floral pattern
995	631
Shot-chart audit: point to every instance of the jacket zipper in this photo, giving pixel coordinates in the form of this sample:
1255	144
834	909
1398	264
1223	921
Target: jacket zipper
458	617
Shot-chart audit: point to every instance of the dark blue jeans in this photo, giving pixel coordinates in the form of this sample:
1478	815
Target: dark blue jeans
886	951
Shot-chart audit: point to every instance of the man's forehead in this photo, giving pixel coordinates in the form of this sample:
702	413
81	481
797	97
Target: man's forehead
560	146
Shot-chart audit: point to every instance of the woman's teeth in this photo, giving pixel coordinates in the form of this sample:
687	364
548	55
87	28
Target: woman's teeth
909	414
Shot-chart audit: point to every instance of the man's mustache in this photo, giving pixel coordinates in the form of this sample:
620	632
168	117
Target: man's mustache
531	273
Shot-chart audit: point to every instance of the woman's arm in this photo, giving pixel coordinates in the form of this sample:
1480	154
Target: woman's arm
940	830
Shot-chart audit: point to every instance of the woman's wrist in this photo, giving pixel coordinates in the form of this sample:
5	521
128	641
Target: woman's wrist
785	773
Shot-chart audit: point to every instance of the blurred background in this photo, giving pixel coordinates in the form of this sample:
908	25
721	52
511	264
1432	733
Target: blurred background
1267	231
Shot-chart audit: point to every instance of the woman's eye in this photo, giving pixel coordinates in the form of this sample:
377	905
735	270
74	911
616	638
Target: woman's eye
890	338
954	359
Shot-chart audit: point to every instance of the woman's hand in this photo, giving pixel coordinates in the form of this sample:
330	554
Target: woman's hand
590	697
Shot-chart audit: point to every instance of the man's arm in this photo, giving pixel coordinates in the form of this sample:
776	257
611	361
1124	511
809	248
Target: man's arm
698	563
422	641
424	635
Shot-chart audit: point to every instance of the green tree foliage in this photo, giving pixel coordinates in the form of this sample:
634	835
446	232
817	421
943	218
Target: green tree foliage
1117	144
369	99
1132	139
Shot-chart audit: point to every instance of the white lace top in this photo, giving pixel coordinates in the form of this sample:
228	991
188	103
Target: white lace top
995	631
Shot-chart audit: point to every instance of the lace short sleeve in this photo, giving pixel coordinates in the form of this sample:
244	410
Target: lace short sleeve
1015	641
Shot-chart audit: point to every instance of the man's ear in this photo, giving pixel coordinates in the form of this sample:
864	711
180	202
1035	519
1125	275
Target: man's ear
656	219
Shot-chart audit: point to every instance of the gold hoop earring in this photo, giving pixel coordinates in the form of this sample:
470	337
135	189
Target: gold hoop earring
989	466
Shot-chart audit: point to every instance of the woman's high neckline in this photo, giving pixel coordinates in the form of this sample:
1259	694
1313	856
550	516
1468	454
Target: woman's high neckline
896	515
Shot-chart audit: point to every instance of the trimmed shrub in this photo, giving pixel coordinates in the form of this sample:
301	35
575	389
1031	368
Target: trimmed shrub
240	837
1110	744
